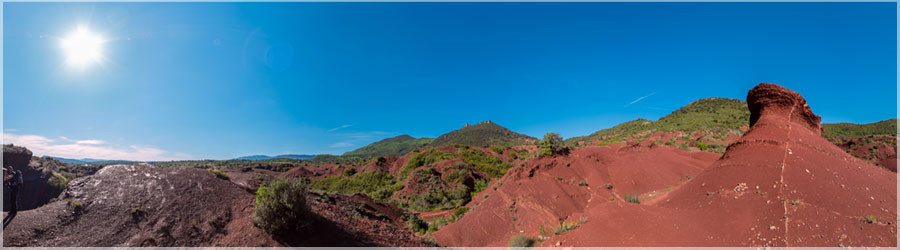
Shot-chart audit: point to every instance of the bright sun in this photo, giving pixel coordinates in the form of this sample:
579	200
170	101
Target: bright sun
83	47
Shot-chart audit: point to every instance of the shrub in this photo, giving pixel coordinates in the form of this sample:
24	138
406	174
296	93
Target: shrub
58	182
281	207
633	198
609	186
583	183
702	146
492	166
219	174
349	172
376	184
417	224
458	176
459	212
481	185
870	219
521	241
497	150
552	144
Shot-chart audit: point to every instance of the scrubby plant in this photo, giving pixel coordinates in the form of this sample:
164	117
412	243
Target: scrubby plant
520	241
552	144
702	146
459	212
219	174
609	186
349	171
281	206
376	184
583	183
497	150
871	219
417	224
633	198
58	182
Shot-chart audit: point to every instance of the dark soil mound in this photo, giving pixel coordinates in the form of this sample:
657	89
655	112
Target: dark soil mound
132	205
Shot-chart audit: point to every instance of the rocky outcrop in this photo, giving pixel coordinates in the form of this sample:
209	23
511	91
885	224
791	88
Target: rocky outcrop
15	156
770	99
37	189
133	205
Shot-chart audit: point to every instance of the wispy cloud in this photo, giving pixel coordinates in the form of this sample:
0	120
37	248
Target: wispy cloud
90	142
97	149
639	99
341	127
342	144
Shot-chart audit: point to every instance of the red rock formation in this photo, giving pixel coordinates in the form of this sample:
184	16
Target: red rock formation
781	184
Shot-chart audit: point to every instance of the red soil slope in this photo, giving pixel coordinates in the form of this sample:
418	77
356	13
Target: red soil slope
781	184
547	190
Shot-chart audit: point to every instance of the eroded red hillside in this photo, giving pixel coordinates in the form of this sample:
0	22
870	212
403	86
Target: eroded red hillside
781	184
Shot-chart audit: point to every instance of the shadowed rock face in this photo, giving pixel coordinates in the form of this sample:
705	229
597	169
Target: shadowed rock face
770	99
15	156
36	191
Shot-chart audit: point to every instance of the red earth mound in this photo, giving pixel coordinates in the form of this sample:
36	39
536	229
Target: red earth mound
547	190
781	184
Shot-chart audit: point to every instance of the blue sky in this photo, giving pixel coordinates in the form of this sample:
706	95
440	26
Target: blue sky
222	80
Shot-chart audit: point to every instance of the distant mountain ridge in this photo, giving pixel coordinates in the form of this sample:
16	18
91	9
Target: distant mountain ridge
266	157
394	146
88	160
482	134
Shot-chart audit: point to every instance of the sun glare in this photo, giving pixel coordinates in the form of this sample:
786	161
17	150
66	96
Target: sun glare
83	47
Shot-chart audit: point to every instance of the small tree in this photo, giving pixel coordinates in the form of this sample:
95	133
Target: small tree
281	207
552	144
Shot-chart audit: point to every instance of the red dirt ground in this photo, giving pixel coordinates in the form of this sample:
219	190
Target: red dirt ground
781	184
546	190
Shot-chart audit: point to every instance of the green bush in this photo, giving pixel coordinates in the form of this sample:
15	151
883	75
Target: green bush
457	176
417	224
492	166
349	172
497	150
459	212
552	144
702	146
281	206
58	182
521	241
376	184
440	199
481	185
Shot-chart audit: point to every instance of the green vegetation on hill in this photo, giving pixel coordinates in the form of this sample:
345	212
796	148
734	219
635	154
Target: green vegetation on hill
483	134
716	115
851	130
396	146
376	184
